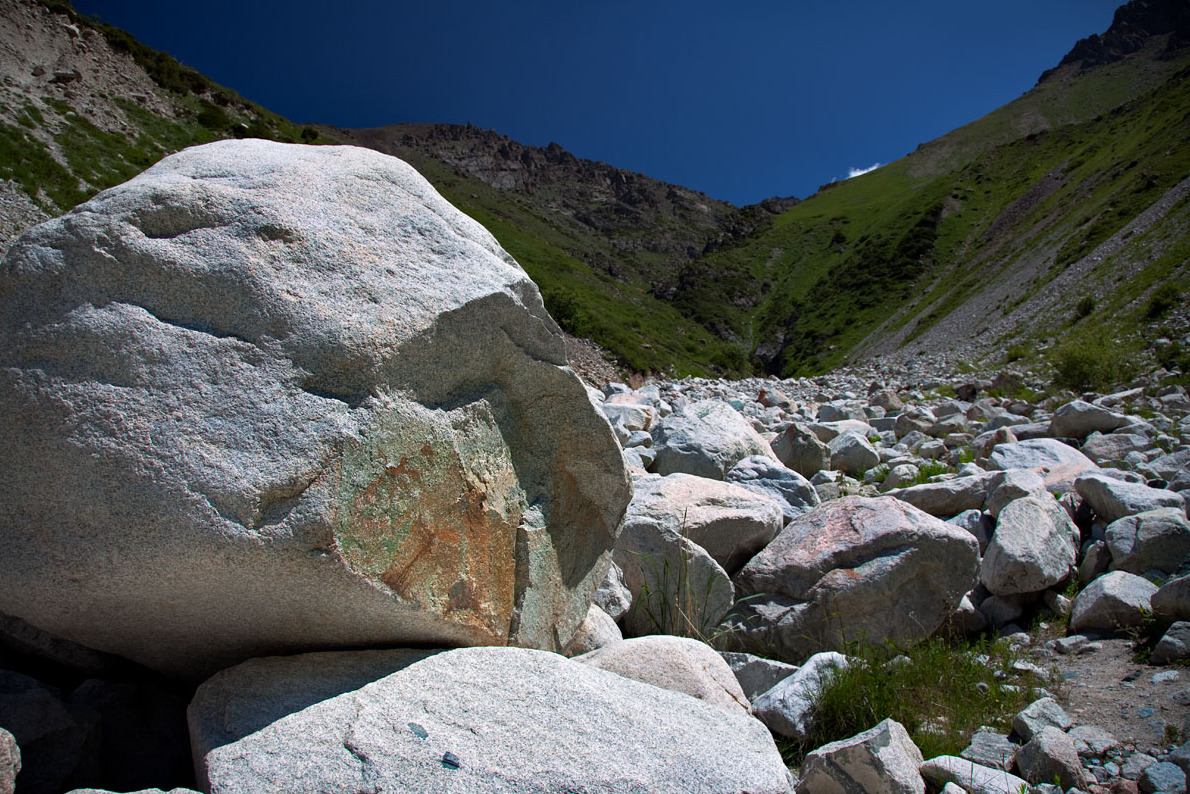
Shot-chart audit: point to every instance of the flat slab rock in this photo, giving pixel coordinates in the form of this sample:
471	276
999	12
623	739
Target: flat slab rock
503	720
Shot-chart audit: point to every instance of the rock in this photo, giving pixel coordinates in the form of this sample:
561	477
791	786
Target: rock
1060	462
903	475
598	630
852	454
840	411
881	760
989	749
979	524
677	588
1112	499
730	522
949	497
1136	764
1155	539
10	762
887	399
1001	610
503	719
1078	419
1041	713
788	708
756	674
1050	757
966	619
142	791
291	397
1011	485
1112	602
250	696
47	652
613	596
1163	777
972	778
705	439
679	664
914	419
852	569
767	477
1034	548
1091	741
1174	645
1096	560
800	450
1166	467
1172	599
1110	450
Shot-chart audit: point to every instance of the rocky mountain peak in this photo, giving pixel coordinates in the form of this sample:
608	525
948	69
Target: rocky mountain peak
1135	24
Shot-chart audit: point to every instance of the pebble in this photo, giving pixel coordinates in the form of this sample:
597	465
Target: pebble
1165	677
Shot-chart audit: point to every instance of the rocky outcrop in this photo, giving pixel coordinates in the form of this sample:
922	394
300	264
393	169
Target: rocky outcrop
268	397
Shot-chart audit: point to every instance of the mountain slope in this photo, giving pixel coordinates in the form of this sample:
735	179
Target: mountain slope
963	232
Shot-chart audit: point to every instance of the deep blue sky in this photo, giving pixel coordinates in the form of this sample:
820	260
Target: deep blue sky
742	100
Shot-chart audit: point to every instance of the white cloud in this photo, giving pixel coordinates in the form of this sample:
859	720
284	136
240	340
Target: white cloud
854	172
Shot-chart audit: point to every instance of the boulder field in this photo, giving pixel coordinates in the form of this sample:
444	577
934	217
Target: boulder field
293	441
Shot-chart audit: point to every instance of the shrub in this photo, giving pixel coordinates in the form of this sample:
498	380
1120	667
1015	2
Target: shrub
1084	307
942	692
1162	300
1091	364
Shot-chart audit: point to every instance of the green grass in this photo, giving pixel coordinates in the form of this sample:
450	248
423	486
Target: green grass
932	689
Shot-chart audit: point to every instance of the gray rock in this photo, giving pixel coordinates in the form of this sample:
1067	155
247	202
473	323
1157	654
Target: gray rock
10	762
1172	599
1037	453
1095	562
50	652
613	596
1174	645
799	449
881	760
676	586
755	673
494	719
1091	741
838	411
966	619
769	477
51	739
852	569
1112	602
1112	449
1112	499
729	521
971	778
1050	756
706	439
788	708
979	524
598	630
902	475
1034	548
679	664
1078	419
291	397
949	497
1136	764
989	749
1166	467
142	791
1041	713
1155	539
1163	777
852	454
1001	610
1011	485
914	420
252	695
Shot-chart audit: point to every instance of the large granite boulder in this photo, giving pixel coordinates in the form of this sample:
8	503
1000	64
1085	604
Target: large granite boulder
502	719
1034	547
730	522
1078	419
1152	540
1112	499
706	439
852	569
267	397
798	448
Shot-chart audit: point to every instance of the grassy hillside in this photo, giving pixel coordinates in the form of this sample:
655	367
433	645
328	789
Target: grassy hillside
914	242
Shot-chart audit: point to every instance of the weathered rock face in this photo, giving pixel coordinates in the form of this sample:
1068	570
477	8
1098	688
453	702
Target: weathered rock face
266	397
503	719
1035	546
853	569
705	439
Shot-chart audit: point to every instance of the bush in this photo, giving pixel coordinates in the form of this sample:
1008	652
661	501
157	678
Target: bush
1091	364
1162	300
1084	307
